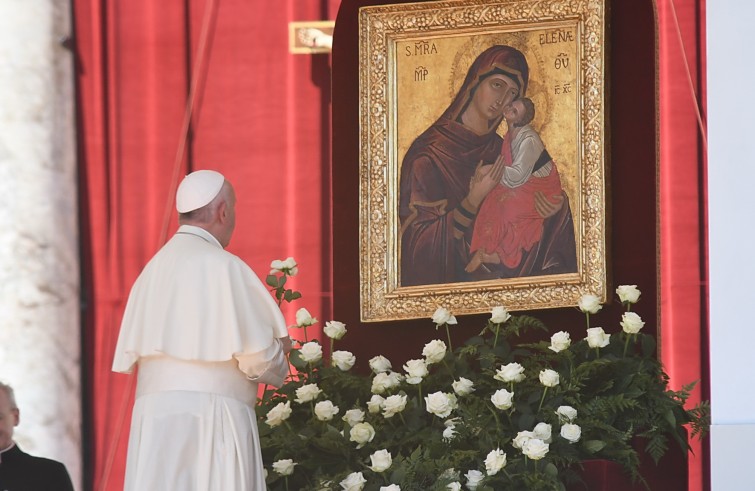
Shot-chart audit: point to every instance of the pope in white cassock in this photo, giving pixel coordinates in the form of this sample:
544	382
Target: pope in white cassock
204	331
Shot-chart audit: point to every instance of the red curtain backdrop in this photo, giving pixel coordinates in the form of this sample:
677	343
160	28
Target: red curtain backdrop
683	265
260	115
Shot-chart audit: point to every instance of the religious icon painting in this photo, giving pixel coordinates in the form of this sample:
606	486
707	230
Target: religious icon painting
482	156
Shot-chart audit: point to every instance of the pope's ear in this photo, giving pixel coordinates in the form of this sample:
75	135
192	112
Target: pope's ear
222	211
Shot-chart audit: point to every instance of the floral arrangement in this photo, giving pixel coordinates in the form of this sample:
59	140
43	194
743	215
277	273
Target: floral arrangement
493	413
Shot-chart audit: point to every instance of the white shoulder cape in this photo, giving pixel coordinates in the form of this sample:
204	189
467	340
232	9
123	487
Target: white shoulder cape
196	301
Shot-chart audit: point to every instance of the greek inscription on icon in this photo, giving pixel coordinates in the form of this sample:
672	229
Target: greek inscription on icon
557	36
421	48
420	74
561	61
562	88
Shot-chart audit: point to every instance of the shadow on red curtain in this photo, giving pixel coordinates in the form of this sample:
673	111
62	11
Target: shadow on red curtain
260	116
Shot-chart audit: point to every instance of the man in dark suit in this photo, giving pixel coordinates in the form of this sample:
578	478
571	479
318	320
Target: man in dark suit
20	471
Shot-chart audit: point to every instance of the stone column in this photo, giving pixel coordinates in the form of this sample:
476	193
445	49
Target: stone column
39	255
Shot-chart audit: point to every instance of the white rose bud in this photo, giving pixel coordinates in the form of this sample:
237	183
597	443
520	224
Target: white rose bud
381	460
502	399
380	364
571	432
449	433
631	323
334	329
375	404
597	337
535	449
440	404
443	316
325	410
353	416
278	414
311	352
344	360
474	478
361	434
513	372
416	371
543	431
463	386
393	405
549	378
353	482
560	341
566	414
284	467
392	487
307	393
589	304
628	293
303	318
434	351
385	381
499	315
521	438
495	461
454	486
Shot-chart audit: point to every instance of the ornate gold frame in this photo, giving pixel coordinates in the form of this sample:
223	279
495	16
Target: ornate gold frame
384	31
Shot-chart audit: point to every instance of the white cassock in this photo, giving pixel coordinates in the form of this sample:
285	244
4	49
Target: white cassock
204	331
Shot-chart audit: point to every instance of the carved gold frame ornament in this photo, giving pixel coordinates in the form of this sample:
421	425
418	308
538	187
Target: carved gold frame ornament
381	29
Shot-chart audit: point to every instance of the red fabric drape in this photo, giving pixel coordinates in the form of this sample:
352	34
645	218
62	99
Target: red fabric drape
259	116
683	262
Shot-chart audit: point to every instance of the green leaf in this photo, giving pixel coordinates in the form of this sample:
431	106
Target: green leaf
272	280
594	446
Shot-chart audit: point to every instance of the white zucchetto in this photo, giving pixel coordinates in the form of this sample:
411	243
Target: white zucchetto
198	189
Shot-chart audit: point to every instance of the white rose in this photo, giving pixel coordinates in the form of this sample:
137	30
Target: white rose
303	318
334	329
589	304
375	404
535	448
499	315
513	372
278	414
495	461
502	399
443	316
521	438
440	403
276	266
454	486
393	405
344	360
392	487
631	323
566	414
463	386
380	364
288	266
307	393
311	352
474	478
416	371
571	432
284	467
434	351
325	410
543	431
361	434
353	482
560	341
385	381
381	460
353	416
628	293
449	433
597	337
549	378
